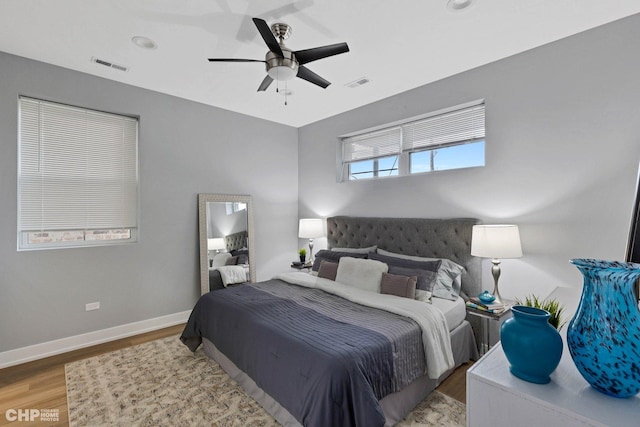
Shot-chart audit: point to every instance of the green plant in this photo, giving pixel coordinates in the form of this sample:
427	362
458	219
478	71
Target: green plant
552	306
302	252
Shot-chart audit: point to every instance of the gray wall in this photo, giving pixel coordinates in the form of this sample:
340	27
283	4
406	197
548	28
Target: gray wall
185	148
563	144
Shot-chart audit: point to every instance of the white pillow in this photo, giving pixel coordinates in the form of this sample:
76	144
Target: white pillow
449	279
361	273
221	259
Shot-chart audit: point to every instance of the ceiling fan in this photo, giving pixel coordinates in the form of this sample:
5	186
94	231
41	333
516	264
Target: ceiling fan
284	64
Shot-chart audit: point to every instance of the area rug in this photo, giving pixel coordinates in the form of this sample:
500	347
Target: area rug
161	383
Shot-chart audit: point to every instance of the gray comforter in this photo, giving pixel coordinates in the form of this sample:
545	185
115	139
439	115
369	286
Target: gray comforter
325	359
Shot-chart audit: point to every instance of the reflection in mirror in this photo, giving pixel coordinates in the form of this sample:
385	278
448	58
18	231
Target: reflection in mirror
226	240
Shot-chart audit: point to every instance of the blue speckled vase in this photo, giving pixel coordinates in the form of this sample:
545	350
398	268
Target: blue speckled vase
604	334
532	346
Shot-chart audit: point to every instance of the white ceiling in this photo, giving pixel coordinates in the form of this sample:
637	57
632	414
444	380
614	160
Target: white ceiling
398	45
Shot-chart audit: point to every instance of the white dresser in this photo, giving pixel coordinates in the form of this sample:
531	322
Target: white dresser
496	398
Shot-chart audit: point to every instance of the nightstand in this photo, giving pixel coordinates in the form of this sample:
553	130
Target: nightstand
306	266
490	321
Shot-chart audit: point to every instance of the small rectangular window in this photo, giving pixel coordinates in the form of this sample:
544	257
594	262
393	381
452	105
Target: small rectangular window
374	168
449	157
77	176
448	139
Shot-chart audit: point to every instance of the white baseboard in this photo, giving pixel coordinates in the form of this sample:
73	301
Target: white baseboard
63	345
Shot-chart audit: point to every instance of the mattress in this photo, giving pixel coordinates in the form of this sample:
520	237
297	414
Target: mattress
454	311
317	337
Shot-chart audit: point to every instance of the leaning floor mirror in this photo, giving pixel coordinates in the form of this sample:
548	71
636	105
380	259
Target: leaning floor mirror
226	241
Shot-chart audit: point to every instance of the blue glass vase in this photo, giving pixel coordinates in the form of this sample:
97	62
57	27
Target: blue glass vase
604	334
531	344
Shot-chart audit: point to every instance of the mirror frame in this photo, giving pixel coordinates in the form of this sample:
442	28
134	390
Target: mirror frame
203	199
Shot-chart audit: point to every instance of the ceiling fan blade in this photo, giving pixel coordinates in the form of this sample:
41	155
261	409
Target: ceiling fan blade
235	60
265	83
306	74
308	55
268	36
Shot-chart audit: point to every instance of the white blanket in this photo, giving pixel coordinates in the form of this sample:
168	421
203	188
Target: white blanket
231	274
435	333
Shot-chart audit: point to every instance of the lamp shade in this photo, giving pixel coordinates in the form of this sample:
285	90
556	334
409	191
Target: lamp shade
496	241
310	228
216	243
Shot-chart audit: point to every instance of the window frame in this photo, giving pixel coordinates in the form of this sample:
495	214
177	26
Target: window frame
84	233
404	152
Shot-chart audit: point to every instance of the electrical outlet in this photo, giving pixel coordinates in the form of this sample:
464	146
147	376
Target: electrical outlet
92	306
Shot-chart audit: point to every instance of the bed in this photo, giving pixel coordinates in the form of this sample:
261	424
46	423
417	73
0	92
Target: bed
230	267
315	351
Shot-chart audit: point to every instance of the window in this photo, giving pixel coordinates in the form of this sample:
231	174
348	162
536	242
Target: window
233	207
77	176
448	139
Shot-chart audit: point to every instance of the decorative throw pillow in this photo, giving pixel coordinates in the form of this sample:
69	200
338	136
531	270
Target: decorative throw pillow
332	256
232	260
365	274
449	281
400	286
328	270
425	281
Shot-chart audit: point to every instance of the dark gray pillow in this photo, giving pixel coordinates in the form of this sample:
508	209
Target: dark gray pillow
328	270
332	256
231	260
426	271
426	279
401	286
242	254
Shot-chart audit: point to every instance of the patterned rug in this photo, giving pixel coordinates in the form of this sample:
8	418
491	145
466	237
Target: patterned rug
161	383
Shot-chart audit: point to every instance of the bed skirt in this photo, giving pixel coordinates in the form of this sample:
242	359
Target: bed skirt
394	406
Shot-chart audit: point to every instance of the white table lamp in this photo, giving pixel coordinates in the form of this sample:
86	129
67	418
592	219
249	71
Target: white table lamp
310	228
216	244
496	242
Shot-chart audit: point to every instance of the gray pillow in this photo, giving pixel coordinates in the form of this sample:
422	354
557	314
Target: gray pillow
328	270
425	280
332	256
400	286
231	260
356	250
449	280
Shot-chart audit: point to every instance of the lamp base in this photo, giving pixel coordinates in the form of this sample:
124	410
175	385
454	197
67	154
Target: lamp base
495	272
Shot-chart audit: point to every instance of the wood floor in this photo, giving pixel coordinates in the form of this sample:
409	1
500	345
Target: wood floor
41	384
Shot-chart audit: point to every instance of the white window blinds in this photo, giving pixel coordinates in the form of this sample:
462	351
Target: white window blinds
77	168
387	142
458	126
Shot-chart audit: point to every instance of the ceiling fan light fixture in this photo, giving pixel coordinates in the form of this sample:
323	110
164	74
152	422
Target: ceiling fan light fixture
282	68
282	73
457	5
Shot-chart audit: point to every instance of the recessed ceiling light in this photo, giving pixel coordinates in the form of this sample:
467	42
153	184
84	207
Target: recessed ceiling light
144	42
456	5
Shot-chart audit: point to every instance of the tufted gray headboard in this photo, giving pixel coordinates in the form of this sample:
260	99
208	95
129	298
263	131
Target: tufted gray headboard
431	238
236	240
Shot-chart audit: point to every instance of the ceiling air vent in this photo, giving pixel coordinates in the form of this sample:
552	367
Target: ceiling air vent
359	82
109	64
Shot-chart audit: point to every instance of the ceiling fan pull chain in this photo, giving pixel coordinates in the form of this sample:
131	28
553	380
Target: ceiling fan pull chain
286	93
